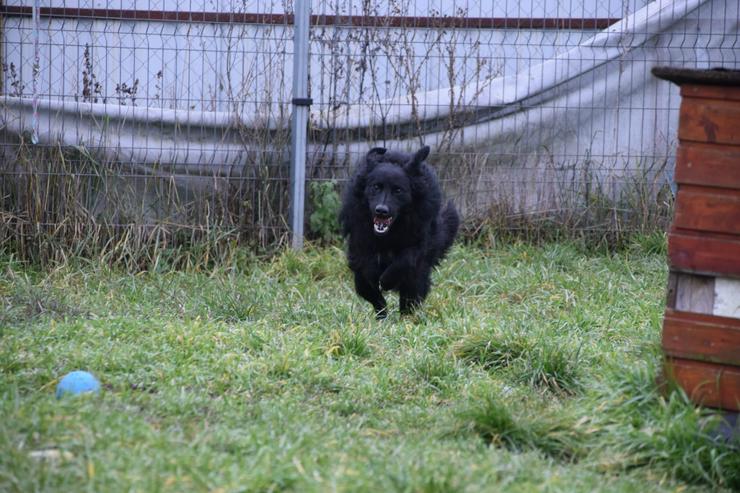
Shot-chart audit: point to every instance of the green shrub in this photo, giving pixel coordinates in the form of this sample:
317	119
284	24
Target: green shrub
325	202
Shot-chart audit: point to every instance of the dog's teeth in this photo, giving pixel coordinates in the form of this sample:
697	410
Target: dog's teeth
381	224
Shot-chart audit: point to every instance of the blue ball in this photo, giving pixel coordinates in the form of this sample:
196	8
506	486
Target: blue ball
77	382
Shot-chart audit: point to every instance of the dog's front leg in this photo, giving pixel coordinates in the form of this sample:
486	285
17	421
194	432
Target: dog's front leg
401	268
371	293
413	290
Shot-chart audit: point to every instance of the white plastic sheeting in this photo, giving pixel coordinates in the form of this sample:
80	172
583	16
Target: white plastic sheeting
601	86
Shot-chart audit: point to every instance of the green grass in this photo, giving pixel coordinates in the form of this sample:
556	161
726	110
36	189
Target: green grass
528	369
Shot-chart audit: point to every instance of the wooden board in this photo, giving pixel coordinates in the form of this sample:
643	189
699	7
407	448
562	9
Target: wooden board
726	297
708	164
701	337
709	120
708	384
704	253
710	92
694	293
711	295
708	209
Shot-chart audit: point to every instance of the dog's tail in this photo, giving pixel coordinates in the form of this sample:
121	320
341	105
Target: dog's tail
449	223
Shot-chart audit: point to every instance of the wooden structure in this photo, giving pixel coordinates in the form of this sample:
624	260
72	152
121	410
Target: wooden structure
701	326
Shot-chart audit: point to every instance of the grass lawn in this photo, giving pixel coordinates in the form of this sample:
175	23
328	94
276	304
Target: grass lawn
528	369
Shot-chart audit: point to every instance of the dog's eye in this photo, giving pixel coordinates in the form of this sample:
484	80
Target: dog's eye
397	190
376	187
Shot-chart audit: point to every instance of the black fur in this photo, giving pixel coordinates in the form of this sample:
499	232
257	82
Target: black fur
396	228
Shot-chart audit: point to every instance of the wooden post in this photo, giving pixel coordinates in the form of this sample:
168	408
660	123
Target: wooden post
701	325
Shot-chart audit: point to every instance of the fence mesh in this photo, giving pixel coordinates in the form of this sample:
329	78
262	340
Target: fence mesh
163	123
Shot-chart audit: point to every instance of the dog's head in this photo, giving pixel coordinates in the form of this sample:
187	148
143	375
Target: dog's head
388	184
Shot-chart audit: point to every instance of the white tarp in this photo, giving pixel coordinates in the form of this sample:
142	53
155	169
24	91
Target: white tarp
595	99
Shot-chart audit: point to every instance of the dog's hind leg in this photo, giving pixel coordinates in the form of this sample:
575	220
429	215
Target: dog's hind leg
372	294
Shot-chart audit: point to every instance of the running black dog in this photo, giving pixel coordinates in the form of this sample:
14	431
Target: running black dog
397	230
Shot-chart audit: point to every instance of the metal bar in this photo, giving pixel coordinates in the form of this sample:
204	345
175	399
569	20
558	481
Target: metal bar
573	23
36	70
299	121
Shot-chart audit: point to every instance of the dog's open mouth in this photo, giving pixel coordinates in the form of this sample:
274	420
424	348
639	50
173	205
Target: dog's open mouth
381	224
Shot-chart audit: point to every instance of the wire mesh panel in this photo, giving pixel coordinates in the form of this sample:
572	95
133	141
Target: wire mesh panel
154	125
541	113
163	122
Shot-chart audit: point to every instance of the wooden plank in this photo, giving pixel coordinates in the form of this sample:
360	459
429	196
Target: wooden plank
709	120
708	384
711	295
670	292
707	209
704	253
727	297
383	21
710	92
694	293
708	164
701	337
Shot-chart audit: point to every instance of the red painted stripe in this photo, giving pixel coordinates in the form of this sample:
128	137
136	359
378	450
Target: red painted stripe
317	20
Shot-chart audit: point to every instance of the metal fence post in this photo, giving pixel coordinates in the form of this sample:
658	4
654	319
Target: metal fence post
299	121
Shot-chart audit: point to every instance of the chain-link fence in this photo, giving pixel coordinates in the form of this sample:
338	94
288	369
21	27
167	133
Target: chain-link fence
163	123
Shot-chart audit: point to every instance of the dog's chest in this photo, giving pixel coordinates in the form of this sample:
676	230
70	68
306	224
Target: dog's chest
385	258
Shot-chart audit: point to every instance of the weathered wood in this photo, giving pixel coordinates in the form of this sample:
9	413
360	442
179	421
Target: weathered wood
704	253
708	384
708	164
709	120
701	337
711	295
710	92
694	293
686	77
727	297
671	288
707	209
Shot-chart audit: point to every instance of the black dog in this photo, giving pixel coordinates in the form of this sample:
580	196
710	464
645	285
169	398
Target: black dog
396	229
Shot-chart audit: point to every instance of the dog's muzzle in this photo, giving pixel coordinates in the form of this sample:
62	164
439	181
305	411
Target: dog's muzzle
381	224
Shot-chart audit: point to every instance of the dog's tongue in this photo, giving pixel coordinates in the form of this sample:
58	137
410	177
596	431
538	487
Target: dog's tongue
381	224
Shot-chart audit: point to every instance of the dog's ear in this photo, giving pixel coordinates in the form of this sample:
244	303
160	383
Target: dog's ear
414	166
358	185
373	156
